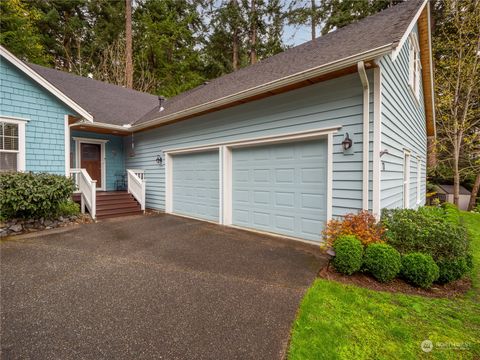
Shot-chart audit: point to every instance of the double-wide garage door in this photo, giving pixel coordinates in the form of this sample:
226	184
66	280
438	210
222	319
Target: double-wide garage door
278	188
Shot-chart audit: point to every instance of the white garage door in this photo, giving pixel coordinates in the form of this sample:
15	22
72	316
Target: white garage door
196	185
281	188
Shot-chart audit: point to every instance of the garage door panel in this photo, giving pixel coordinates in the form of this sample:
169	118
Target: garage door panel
281	188
196	185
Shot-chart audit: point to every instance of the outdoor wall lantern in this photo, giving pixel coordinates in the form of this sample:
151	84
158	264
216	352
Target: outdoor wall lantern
159	160
347	142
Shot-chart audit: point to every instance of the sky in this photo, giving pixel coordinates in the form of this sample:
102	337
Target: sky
296	35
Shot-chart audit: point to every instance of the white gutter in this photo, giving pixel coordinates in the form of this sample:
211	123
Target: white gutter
270	86
102	126
366	131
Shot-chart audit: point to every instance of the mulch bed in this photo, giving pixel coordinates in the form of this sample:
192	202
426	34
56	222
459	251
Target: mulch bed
453	289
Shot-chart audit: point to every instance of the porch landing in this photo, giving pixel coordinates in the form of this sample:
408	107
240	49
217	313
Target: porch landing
114	204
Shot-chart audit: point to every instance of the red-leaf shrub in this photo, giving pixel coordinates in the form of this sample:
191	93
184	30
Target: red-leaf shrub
363	225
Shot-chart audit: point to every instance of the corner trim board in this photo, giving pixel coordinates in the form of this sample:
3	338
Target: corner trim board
377	140
67	146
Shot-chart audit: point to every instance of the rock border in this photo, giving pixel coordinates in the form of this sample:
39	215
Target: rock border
22	226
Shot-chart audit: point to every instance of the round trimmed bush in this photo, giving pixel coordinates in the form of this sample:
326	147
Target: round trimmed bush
382	261
453	269
348	254
419	269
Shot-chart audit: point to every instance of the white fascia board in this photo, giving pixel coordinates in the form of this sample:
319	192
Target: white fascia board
404	37
44	83
273	85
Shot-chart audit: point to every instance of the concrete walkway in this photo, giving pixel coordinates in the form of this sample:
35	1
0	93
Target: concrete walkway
151	287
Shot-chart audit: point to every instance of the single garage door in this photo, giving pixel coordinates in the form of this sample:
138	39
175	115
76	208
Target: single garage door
281	188
196	185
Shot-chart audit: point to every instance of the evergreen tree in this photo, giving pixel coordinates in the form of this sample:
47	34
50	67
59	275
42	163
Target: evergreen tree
19	33
166	45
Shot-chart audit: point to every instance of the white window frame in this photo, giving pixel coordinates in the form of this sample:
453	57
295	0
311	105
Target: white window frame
414	65
406	178
419	177
21	157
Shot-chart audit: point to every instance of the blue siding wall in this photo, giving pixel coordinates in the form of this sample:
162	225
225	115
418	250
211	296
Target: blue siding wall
114	155
335	102
45	131
403	127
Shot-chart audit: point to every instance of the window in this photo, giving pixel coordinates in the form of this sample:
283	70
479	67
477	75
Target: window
12	145
414	64
419	178
406	180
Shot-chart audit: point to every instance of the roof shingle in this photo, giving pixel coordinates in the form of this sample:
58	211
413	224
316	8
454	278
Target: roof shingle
384	28
110	104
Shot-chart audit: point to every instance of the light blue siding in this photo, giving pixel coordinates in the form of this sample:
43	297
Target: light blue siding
281	188
45	131
196	185
114	155
403	128
330	103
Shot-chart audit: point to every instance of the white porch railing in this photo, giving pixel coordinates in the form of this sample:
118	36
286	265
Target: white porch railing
88	189
136	185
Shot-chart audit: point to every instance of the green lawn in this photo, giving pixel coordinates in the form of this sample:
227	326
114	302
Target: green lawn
338	321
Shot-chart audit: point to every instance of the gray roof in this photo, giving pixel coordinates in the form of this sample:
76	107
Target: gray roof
448	189
384	28
107	103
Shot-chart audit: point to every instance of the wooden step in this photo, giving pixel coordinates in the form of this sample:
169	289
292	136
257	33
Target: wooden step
107	216
114	204
114	197
124	205
118	212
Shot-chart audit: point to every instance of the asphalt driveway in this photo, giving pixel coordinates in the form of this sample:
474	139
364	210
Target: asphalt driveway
151	287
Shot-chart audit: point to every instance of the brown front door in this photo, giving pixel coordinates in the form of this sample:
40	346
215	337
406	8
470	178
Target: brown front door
91	160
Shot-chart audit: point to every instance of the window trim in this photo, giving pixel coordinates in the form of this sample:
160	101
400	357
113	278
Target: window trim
406	178
414	65
21	161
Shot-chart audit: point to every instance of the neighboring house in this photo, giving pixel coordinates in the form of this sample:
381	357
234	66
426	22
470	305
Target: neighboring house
264	148
445	193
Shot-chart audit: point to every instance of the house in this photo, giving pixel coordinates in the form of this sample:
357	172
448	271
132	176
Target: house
332	126
445	193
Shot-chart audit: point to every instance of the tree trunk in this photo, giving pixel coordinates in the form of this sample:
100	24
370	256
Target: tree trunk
253	33
235	37
473	195
456	172
314	22
128	45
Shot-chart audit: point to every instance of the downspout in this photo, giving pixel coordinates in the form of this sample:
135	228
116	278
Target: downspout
366	132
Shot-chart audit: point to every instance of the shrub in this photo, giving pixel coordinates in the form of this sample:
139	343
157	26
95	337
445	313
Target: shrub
453	269
419	269
348	254
68	208
363	225
426	231
30	196
452	214
382	261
